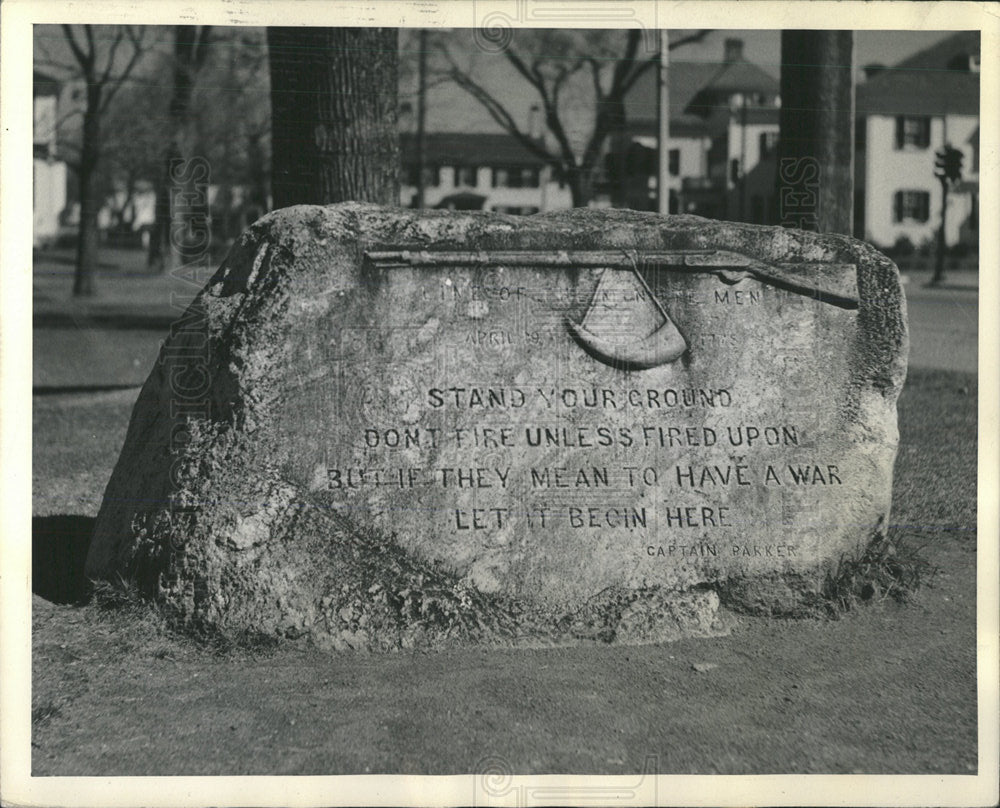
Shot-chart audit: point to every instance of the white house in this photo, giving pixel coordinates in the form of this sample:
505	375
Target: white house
48	174
905	114
480	171
723	124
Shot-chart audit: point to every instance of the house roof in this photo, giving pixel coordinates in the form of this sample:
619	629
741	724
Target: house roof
739	76
934	81
696	90
685	80
469	149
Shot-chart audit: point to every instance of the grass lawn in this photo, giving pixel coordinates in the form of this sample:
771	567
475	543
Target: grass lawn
888	688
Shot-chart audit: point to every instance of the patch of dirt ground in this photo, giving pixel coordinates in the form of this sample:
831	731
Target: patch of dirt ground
887	688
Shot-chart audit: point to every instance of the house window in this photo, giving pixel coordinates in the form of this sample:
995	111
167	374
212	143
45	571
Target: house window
674	162
513	177
913	130
466	176
911	206
768	141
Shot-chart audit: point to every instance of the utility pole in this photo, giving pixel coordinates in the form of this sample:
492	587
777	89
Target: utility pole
421	118
742	179
663	163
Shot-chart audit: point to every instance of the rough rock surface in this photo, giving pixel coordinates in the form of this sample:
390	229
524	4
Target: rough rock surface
351	437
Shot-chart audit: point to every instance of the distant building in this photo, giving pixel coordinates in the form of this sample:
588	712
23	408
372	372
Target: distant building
905	114
723	125
722	150
724	122
48	175
478	171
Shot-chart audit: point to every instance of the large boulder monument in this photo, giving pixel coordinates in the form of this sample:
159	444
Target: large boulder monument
383	428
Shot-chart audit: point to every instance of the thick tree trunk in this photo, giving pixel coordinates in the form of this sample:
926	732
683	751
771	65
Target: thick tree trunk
333	107
189	55
258	199
90	201
815	152
160	256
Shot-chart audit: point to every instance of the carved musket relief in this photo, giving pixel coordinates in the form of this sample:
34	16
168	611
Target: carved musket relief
831	283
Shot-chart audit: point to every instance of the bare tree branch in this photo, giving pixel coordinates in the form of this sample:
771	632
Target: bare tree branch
88	30
531	75
137	39
112	51
643	66
551	75
595	75
204	39
46	59
500	114
54	64
86	63
697	36
556	127
625	64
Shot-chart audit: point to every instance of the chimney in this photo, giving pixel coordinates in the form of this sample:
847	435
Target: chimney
733	50
535	122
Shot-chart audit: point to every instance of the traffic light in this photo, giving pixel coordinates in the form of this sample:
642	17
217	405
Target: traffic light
948	165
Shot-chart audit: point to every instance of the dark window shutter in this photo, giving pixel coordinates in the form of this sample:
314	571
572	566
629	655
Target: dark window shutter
900	131
897	206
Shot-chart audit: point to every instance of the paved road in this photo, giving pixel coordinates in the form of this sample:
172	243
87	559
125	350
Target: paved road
944	323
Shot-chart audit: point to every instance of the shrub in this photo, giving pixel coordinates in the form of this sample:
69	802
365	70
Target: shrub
889	567
902	248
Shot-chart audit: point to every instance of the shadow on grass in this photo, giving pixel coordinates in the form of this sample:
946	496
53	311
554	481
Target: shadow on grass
55	390
59	547
66	259
125	320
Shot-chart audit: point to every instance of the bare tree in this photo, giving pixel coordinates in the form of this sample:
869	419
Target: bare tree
333	107
133	140
231	126
103	58
552	62
191	45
